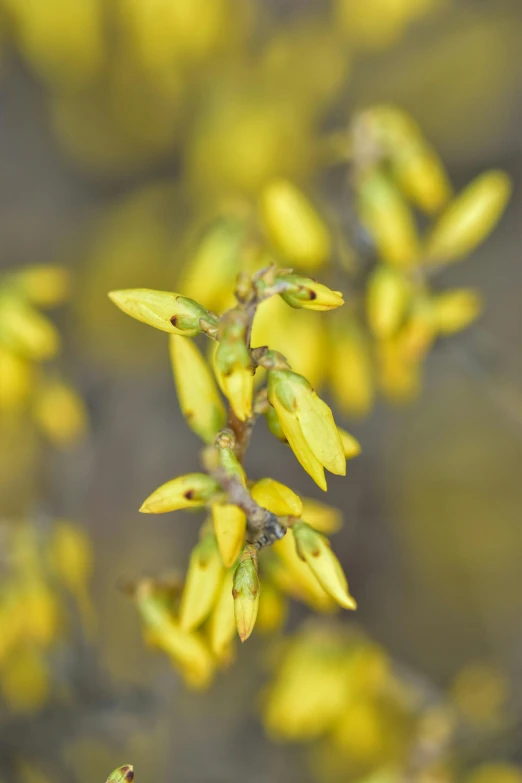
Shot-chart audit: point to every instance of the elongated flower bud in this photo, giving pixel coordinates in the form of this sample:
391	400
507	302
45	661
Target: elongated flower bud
26	331
44	286
230	527
60	413
351	371
164	310
307	423
187	650
304	292
321	517
246	593
294	226
202	584
296	579
124	774
351	446
191	491
470	218
274	425
455	310
315	550
233	368
277	498
198	396
387	297
222	624
388	220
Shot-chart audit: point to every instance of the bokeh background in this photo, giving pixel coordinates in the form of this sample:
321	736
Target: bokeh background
123	125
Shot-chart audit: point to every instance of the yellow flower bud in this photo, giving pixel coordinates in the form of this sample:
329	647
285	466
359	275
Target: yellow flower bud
388	220
60	413
202	584
186	650
191	491
277	498
16	380
246	592
470	218
198	396
274	425
307	423
415	164
351	371
233	368
417	335
455	310
321	517
222	624
351	446
212	270
315	550
387	298
295	228
230	527
164	310
273	609
296	579
124	774
44	285
26	331
304	292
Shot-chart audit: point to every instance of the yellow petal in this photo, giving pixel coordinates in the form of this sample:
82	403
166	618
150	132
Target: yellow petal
277	498
455	310
386	301
320	431
299	445
198	396
351	372
321	517
351	446
238	387
222	624
191	491
295	228
230	527
246	591
470	218
27	331
44	285
202	584
314	548
296	579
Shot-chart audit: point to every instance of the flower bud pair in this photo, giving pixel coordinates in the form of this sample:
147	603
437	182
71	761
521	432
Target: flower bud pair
307	423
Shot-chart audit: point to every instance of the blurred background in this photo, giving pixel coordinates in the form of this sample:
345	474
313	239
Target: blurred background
125	126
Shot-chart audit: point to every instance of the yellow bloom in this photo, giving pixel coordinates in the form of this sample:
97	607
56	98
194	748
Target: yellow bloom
202	584
59	411
387	297
294	226
304	292
351	446
388	220
296	579
277	498
246	592
191	491
44	285
470	218
321	517
233	368
164	310
307	423
26	331
187	650
455	310
315	550
351	371
230	527
222	623
198	396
